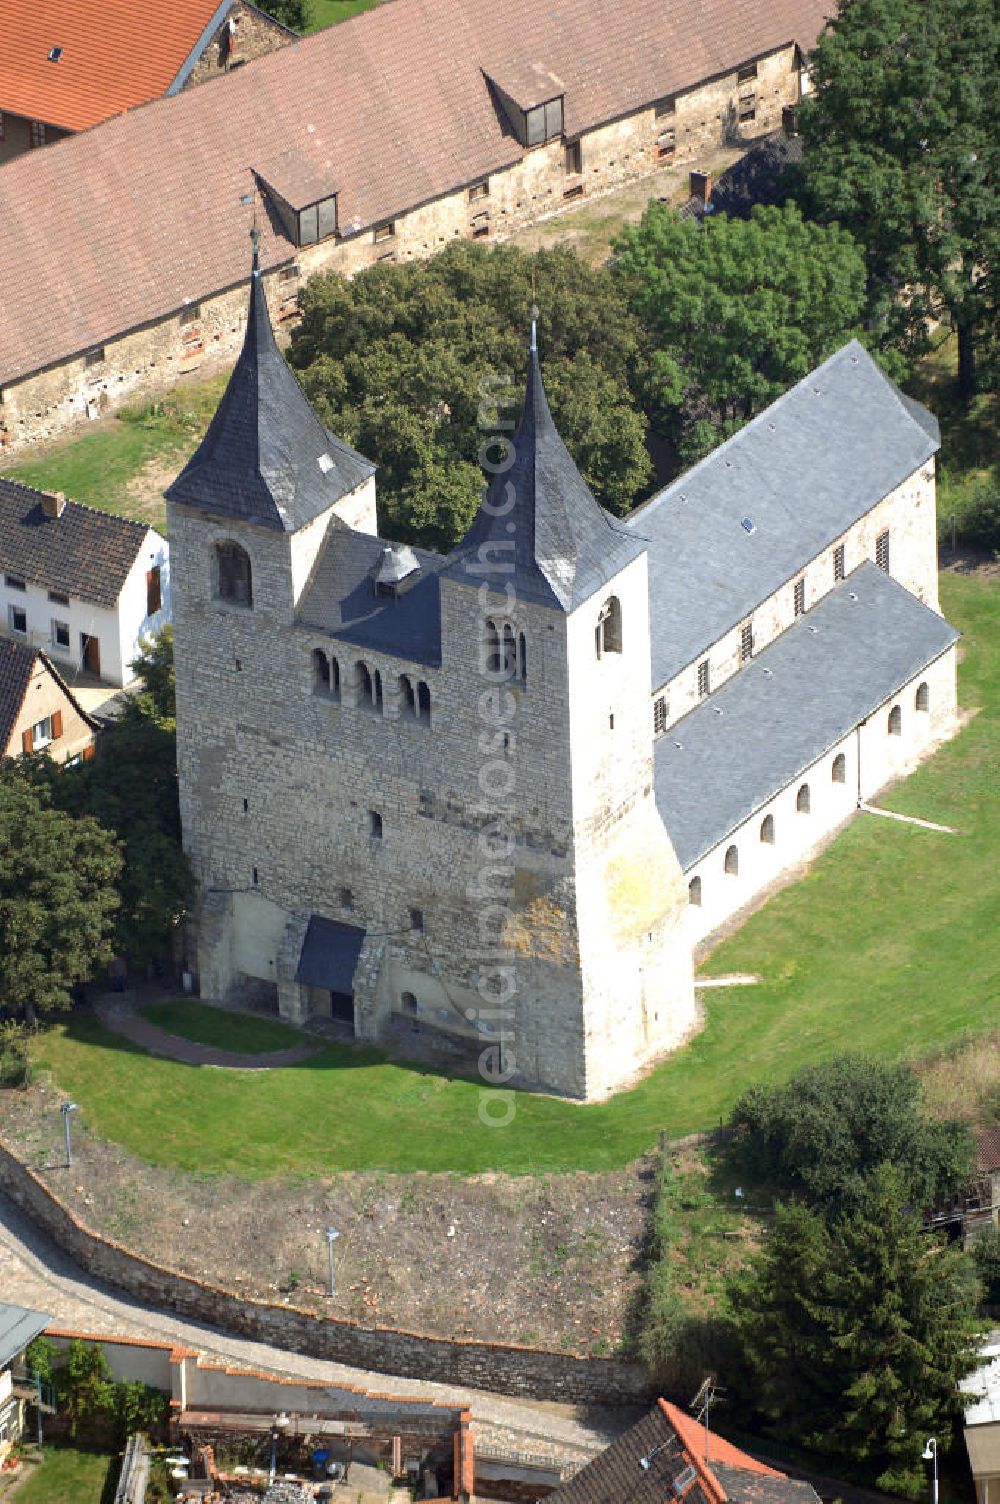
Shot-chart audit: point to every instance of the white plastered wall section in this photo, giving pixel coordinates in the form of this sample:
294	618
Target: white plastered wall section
873	756
134	622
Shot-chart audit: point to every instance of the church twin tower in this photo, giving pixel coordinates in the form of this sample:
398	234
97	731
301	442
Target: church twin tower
417	790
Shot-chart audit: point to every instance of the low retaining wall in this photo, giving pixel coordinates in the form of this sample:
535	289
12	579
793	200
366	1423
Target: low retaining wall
512	1370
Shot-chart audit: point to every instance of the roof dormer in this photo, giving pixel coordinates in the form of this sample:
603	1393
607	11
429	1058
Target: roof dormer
302	195
531	97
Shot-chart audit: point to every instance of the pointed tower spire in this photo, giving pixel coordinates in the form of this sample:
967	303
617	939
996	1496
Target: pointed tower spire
267	458
539	528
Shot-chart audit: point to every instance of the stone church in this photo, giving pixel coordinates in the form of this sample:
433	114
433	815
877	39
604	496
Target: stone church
496	798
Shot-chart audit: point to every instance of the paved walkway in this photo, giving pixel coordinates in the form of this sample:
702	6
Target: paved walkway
34	1272
120	1016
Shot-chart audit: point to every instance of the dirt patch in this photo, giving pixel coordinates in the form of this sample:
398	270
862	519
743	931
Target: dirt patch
144	492
552	1261
975	561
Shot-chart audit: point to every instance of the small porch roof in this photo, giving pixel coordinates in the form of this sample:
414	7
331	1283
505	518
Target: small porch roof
330	954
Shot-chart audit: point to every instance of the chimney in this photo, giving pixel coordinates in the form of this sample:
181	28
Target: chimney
54	504
790	119
701	186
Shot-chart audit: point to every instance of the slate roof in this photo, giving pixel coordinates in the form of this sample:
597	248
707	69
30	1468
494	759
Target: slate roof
829	671
803	472
127	223
115	54
340	599
330	953
18	1327
540	517
266	457
84	553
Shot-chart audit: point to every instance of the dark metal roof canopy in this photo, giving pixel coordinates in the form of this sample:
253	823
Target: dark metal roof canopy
266	458
538	528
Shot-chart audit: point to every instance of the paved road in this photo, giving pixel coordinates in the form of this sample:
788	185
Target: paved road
34	1272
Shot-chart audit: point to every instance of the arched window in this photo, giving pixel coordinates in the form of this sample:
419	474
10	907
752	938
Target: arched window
334	679
233	574
491	647
423	703
923	698
407	697
409	1002
694	892
732	862
321	673
368	683
895	721
377	687
608	635
509	646
767	830
522	658
838	771
802	801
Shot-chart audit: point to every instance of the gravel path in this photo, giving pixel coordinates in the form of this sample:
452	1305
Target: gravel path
121	1018
34	1272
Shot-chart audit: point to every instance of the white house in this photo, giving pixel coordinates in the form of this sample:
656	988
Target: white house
82	585
18	1328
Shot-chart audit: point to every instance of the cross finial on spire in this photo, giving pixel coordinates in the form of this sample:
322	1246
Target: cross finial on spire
255	242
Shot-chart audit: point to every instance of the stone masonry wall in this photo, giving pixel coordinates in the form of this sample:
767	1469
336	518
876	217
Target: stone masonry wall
253	34
481	1365
542	183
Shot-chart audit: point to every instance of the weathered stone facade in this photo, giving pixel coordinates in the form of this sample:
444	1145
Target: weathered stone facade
244	34
543	182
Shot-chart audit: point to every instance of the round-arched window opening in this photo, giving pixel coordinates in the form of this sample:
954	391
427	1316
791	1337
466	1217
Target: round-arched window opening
732	862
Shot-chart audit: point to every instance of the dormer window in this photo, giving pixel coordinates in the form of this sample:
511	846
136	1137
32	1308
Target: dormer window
532	100
397	564
304	201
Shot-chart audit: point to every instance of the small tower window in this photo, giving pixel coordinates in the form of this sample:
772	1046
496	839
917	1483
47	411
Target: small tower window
233	574
369	687
423	703
608	635
417	921
694	892
375	825
895	721
732	862
802	800
407	697
882	551
923	697
522	658
767	830
838	770
321	673
703	679
659	715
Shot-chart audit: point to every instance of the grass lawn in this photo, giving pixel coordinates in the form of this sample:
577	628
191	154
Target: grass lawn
227	1031
329	12
888	945
65	1475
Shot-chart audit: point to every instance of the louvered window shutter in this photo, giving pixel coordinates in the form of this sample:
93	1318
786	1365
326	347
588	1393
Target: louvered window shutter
56	725
27	745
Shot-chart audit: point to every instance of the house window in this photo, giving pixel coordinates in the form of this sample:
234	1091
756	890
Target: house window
478	191
746	73
37	137
703	679
608	636
838	769
58	599
18	618
895	723
923	697
746	642
154	599
659	715
732	862
60	634
234	576
802	801
800	597
375	825
14	582
384	232
694	892
767	830
882	551
748	107
41	733
574	157
666	143
94	357
838	563
543	122
417	921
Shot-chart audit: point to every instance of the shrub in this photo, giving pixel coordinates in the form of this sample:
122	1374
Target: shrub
979	521
986	1256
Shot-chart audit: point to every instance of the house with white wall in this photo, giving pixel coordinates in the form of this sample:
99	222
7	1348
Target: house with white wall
83	586
18	1328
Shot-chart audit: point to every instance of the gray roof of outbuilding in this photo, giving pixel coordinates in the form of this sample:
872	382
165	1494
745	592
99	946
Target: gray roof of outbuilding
18	1327
803	472
540	517
266	457
340	599
753	737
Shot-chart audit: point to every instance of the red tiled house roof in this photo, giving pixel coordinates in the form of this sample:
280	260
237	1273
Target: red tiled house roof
115	54
106	231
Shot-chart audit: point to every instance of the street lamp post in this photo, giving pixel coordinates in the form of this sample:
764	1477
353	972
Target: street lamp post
930	1454
331	1237
66	1109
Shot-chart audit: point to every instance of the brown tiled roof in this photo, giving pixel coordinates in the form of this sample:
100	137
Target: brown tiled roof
123	224
17	668
115	54
83	553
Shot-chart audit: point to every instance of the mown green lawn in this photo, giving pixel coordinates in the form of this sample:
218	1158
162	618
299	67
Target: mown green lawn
888	945
329	12
66	1476
241	1032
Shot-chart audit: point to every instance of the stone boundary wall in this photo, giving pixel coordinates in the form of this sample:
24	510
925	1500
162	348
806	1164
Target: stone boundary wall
513	1370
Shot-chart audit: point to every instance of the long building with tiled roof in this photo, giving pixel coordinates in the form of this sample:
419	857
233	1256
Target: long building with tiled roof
385	136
